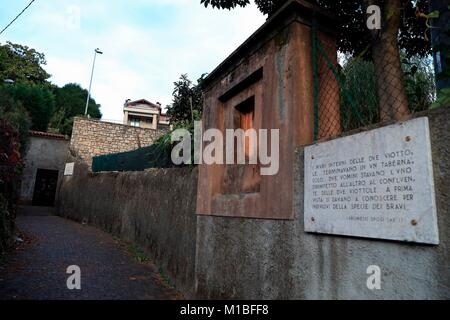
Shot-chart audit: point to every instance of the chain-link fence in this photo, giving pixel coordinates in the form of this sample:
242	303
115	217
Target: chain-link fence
375	86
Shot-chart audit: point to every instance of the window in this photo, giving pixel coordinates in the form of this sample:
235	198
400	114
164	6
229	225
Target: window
246	112
135	122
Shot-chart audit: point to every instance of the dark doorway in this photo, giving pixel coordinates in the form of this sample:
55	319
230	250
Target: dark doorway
45	188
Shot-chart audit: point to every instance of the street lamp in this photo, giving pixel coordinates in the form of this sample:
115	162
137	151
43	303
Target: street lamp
90	84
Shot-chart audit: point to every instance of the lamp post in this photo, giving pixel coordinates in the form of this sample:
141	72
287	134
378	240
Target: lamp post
90	84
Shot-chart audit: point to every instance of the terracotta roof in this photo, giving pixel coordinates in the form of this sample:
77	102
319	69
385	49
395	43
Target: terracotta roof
48	135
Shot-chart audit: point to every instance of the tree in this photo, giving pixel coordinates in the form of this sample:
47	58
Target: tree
37	100
187	104
359	77
401	29
45	107
186	107
22	64
17	116
29	102
32	101
70	102
420	86
265	6
360	83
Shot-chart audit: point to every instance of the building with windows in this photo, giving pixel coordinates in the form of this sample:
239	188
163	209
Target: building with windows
144	114
44	168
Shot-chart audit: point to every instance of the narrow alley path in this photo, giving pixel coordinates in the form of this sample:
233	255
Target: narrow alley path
108	271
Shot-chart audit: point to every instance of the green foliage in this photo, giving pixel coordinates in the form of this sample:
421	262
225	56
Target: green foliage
182	115
360	84
17	116
10	171
70	102
43	107
29	102
224	4
33	99
420	86
353	35
443	98
165	145
187	104
37	100
22	64
443	46
138	253
265	6
166	279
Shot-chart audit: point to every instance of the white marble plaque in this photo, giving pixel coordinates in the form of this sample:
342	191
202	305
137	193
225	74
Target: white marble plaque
375	184
69	169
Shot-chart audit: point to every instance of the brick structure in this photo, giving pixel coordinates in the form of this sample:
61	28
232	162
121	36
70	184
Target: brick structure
92	138
267	83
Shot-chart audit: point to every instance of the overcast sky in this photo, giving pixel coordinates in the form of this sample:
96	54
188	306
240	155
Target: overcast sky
148	44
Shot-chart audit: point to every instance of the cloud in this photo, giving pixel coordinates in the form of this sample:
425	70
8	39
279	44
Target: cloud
147	44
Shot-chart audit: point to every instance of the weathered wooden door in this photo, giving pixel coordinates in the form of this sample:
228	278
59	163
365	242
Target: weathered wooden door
45	188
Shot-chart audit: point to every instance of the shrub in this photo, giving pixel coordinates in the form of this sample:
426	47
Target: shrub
10	170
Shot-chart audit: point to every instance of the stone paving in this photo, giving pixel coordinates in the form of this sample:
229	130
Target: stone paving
37	270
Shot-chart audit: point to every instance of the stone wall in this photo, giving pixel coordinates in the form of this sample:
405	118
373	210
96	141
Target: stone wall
212	257
155	209
92	138
268	259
